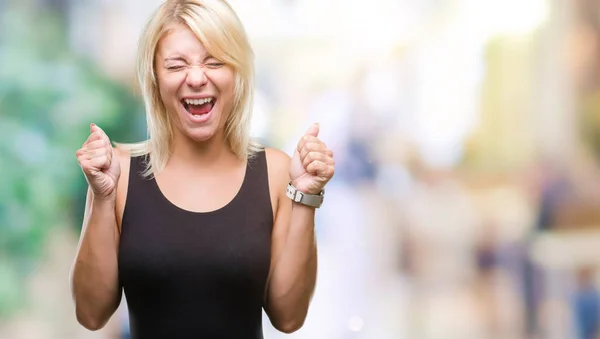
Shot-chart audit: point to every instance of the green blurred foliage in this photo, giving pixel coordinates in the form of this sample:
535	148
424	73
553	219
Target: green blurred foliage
48	98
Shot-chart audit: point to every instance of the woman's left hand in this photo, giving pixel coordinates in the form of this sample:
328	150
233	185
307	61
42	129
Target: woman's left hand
312	165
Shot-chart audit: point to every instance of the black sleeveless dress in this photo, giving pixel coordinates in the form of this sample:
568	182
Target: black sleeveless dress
196	275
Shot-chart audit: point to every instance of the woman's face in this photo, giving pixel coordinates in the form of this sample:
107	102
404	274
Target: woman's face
196	88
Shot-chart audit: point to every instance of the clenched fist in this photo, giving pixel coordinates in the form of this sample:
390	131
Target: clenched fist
99	164
312	165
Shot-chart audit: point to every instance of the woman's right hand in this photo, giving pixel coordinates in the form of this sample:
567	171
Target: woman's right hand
99	164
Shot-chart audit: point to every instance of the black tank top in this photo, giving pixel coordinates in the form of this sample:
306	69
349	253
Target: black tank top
196	275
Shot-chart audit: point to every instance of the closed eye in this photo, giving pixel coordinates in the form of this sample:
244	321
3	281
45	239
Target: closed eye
215	64
175	67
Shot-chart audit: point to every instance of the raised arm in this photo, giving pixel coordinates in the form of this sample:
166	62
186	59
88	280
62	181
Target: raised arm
294	250
94	275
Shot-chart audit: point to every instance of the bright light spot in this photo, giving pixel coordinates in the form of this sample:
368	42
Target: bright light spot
514	17
355	324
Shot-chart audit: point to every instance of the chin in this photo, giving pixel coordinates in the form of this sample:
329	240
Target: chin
200	136
200	132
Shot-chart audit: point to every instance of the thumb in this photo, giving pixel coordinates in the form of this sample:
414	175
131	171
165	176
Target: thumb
102	134
313	130
94	128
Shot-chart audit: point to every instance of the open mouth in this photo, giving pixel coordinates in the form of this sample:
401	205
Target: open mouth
199	107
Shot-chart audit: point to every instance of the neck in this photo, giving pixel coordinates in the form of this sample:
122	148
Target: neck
201	155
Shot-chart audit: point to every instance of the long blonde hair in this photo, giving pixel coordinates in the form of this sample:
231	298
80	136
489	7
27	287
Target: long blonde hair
220	31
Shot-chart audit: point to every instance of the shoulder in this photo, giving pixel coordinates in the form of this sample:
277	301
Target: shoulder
124	157
278	168
122	153
278	162
277	156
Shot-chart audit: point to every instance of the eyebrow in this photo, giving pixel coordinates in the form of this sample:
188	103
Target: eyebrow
181	58
177	58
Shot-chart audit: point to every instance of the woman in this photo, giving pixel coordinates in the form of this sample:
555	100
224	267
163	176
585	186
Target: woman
196	225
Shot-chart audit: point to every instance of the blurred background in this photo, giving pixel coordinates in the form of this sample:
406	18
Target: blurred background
466	202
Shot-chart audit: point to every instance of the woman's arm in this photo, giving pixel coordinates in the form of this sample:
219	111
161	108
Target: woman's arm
294	252
94	274
293	255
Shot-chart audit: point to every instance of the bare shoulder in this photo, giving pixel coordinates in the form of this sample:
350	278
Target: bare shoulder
124	157
278	167
278	163
123	154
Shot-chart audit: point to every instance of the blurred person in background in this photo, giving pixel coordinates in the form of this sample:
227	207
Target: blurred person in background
200	226
554	189
586	305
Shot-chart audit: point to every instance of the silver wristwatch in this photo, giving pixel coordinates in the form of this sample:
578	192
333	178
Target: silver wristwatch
312	200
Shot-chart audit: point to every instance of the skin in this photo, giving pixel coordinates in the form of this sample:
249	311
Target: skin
201	162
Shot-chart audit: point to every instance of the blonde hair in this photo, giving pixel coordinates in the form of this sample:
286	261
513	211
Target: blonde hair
220	31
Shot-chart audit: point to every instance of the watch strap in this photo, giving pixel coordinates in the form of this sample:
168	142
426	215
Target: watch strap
312	200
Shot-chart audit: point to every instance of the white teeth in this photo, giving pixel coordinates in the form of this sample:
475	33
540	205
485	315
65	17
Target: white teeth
197	101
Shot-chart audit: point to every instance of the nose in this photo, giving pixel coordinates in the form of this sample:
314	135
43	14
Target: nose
196	77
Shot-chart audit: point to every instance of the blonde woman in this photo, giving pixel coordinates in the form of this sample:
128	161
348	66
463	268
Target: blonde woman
199	226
